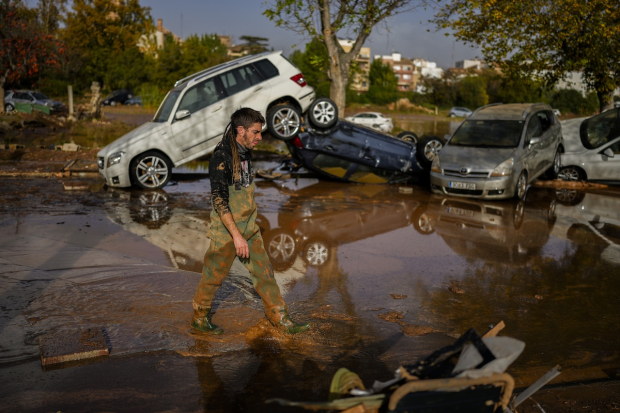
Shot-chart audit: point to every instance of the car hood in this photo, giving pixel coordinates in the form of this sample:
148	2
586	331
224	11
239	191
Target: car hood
570	135
456	157
141	132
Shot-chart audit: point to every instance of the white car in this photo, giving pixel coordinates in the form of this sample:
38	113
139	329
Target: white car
374	120
192	117
592	148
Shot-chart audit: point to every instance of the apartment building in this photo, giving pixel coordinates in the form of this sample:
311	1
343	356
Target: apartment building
360	81
472	63
404	69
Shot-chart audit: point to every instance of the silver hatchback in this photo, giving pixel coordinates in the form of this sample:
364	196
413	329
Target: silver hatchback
498	151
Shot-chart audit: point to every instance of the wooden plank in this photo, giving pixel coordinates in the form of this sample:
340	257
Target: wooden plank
73	345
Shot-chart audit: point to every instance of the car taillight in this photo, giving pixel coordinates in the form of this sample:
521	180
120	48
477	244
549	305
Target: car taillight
299	79
297	142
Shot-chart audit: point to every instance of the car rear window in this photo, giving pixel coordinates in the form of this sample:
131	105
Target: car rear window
266	69
488	134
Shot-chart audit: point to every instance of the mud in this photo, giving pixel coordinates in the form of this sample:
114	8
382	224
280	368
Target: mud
385	277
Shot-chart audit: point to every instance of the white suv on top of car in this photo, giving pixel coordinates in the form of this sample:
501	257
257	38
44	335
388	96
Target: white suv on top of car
192	117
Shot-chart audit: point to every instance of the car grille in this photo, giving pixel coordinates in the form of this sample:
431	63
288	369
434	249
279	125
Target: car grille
470	175
464	191
100	162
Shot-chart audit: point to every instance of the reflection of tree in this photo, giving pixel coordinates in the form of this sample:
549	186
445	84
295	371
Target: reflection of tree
563	308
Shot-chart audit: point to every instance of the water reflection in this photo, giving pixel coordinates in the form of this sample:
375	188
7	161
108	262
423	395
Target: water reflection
421	126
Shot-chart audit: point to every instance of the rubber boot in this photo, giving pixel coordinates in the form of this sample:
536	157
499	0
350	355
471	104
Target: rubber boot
201	320
280	318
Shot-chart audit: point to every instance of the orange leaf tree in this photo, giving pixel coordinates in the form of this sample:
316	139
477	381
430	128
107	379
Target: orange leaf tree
24	48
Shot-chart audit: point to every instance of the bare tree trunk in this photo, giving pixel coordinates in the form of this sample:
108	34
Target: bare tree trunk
338	87
1	97
605	100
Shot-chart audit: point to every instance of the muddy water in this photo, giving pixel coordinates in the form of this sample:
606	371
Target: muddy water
385	277
422	126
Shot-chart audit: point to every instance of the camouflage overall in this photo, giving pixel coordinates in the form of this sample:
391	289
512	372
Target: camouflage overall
221	254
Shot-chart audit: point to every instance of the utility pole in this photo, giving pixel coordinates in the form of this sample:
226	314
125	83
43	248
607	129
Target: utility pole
181	25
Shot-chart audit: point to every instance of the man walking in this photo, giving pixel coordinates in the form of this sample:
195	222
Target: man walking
234	231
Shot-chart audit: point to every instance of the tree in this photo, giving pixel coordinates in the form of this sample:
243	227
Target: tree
313	64
24	48
51	14
547	38
383	83
255	44
471	92
323	19
102	30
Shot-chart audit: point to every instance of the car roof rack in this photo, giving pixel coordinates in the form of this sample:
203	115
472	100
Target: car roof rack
222	66
532	106
486	106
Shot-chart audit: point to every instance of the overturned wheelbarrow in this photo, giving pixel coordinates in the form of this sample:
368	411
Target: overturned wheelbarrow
467	376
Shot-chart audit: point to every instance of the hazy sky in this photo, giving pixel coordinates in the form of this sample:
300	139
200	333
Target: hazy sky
407	32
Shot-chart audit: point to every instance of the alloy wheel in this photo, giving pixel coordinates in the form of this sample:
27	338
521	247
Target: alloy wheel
152	171
324	112
432	149
317	253
286	122
521	186
281	247
569	174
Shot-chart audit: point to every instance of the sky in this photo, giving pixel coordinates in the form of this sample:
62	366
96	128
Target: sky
406	33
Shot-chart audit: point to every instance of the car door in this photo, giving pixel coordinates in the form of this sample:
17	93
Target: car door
532	152
198	133
245	87
600	166
548	139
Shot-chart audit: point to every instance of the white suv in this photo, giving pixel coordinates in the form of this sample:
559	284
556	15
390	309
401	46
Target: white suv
191	119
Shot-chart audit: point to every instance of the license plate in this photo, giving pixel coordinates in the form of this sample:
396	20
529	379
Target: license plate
462	185
460	212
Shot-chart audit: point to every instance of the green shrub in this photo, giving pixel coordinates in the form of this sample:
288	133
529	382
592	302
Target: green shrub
151	96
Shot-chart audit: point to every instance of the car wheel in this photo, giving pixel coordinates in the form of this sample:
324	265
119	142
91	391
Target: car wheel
316	253
551	216
422	222
518	213
428	148
521	187
8	108
150	209
283	122
281	248
408	136
323	113
129	96
571	173
569	197
554	170
113	103
151	170
452	115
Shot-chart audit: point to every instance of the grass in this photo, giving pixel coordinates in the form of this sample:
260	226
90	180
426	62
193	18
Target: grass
97	133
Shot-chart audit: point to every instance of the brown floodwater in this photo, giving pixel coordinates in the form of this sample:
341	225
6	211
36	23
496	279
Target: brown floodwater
385	277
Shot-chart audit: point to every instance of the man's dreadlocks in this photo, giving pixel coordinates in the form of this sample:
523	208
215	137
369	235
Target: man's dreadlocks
245	117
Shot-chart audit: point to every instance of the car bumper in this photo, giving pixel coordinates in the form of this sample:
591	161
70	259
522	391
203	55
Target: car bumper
116	176
484	188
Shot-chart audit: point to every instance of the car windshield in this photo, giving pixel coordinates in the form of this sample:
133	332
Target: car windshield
488	134
599	130
39	96
165	109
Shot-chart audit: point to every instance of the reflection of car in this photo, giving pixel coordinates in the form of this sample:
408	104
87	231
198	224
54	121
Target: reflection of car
136	101
504	232
498	151
460	112
315	228
373	120
192	118
592	148
28	96
352	153
118	97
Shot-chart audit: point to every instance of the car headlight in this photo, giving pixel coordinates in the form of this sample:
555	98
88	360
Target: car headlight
115	158
504	168
436	166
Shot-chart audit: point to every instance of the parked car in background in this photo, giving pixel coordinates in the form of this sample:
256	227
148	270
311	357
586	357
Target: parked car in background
135	101
118	97
498	151
192	117
557	113
373	120
460	112
592	148
28	96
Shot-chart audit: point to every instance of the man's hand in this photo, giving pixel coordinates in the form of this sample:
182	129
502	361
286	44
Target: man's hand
241	246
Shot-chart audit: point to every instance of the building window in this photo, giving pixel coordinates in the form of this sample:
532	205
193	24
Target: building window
397	76
396	67
364	84
406	77
407	68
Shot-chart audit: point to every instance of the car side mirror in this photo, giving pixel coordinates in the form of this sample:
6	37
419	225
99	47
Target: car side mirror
608	152
534	141
182	114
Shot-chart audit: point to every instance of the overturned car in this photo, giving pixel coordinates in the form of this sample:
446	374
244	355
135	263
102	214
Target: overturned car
345	151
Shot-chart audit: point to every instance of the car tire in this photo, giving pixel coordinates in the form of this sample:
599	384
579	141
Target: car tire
518	214
284	122
452	115
428	148
569	197
129	96
8	108
113	103
571	173
422	222
316	253
521	187
323	113
408	137
150	170
281	248
554	170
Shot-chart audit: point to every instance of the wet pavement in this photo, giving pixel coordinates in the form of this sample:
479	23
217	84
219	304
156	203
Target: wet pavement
385	277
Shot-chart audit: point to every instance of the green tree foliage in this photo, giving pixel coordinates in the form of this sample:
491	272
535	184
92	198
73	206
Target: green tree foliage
572	101
99	31
471	92
383	83
323	19
313	64
544	37
255	44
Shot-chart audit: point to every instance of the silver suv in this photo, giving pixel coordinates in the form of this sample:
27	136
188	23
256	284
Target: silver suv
192	117
498	151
